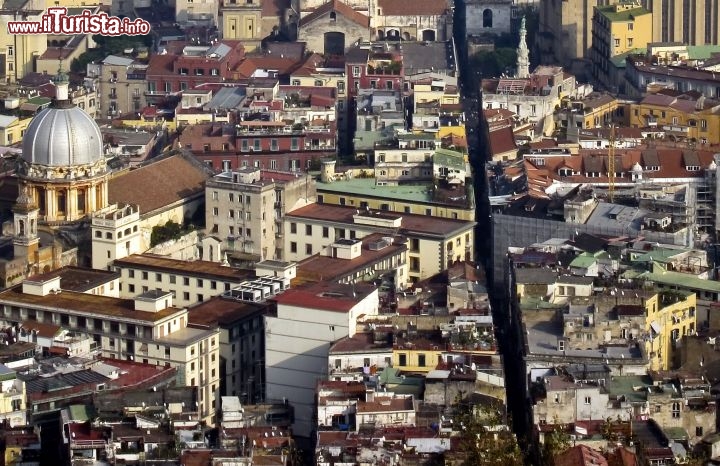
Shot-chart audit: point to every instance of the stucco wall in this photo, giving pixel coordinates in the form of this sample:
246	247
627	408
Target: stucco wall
314	33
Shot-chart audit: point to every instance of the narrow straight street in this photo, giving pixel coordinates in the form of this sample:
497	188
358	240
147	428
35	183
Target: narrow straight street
509	338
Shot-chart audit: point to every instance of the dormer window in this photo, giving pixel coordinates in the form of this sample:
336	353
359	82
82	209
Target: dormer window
692	168
565	172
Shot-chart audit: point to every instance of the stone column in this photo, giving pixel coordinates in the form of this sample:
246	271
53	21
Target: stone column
71	204
50	212
90	206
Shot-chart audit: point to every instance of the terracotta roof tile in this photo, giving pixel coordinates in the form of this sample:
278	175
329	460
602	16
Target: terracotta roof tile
159	183
580	455
502	140
325	296
338	7
415	7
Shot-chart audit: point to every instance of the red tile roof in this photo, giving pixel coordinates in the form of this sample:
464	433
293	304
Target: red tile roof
42	329
414	7
265	62
580	455
411	223
338	7
160	64
325	296
502	140
159	184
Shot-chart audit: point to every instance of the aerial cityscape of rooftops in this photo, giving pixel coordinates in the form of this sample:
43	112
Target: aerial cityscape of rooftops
356	233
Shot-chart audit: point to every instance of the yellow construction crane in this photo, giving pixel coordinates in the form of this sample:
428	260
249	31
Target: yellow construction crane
611	165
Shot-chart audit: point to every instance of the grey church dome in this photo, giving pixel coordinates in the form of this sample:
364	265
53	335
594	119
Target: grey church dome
62	135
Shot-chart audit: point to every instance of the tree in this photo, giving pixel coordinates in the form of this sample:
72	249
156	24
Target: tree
109	45
556	442
494	63
484	437
162	233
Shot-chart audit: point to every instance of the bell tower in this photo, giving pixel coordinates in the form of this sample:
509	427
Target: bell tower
25	216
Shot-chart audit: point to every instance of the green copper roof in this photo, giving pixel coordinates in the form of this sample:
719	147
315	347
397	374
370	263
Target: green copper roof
611	14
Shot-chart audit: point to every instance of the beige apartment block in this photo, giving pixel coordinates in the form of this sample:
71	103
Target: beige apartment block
433	243
148	329
196	12
121	86
245	208
189	282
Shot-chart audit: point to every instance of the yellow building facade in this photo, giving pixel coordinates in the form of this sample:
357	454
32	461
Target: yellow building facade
617	29
701	125
12	398
669	315
343	193
12	129
242	20
21	50
416	358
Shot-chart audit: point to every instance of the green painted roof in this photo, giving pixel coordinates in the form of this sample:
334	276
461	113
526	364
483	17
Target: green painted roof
661	255
6	373
626	385
583	261
611	14
39	100
619	61
81	413
702	52
683	280
366	140
449	158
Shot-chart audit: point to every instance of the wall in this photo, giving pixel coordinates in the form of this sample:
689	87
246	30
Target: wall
501	17
296	353
196	290
314	33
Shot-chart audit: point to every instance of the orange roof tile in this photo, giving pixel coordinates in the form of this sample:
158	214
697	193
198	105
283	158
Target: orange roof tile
415	7
338	7
159	184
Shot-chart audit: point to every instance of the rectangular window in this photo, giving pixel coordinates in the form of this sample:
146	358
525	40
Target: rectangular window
308	230
256	145
308	249
402	359
587	400
293	247
326	232
421	360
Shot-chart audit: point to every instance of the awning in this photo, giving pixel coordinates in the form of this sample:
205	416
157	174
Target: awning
657	328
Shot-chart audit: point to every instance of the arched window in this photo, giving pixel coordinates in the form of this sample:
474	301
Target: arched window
487	18
21	231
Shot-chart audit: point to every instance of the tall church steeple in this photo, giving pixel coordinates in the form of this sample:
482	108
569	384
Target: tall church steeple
523	54
25	215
